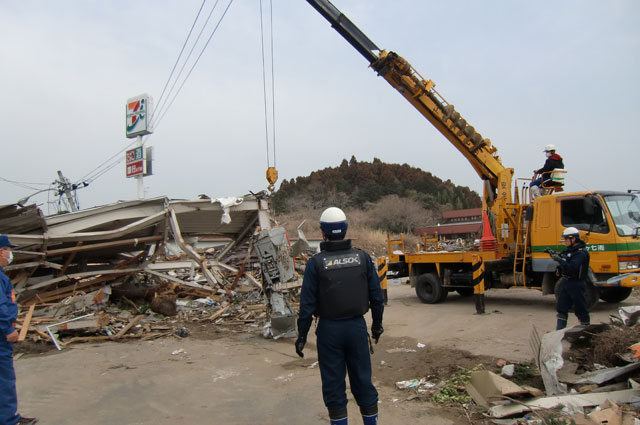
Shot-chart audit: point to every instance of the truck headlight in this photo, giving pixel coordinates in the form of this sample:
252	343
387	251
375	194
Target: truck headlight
631	263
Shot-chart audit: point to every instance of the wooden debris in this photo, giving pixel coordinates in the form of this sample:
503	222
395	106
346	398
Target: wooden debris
25	323
218	313
131	324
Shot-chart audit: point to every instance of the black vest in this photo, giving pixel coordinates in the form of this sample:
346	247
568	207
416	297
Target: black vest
343	286
579	249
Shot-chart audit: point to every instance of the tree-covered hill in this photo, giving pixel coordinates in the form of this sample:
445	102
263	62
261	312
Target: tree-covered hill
357	184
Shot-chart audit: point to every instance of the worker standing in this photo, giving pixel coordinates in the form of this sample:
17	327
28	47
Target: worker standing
552	162
340	285
8	335
573	265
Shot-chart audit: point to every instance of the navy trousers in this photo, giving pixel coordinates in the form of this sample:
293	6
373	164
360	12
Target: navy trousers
573	294
343	347
8	396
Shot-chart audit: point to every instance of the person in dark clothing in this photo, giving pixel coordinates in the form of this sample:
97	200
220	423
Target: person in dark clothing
573	266
8	335
340	285
553	161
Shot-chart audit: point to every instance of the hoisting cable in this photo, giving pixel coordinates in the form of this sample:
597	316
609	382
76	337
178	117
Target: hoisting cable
272	172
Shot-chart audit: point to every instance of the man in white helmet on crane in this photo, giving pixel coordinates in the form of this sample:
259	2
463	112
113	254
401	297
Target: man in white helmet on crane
553	161
340	285
573	265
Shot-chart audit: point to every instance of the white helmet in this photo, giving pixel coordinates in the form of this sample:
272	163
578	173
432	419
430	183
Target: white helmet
549	148
571	232
333	223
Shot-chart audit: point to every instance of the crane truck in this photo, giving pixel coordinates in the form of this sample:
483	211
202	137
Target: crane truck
517	231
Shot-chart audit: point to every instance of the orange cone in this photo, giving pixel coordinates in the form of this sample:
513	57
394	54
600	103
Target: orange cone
488	241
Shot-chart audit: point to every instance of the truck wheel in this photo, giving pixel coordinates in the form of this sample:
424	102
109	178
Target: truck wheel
593	295
614	295
465	292
429	289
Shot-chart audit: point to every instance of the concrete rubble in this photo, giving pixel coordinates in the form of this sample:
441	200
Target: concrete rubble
142	269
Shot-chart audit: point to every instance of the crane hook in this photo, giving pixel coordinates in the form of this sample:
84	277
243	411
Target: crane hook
272	176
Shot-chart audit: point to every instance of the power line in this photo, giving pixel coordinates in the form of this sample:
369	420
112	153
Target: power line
24	185
95	170
195	63
160	108
179	56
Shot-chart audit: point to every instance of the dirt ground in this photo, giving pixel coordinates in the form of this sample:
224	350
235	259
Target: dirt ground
231	375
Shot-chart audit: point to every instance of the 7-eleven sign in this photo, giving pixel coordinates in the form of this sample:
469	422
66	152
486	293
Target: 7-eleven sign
138	109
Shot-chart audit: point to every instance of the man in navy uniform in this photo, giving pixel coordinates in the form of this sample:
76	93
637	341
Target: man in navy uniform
340	285
573	265
8	335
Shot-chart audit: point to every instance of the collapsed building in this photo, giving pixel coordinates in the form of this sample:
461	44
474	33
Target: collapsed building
157	249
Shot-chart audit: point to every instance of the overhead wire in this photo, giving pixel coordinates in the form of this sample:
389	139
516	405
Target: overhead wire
24	185
161	106
90	176
113	161
194	64
108	165
178	59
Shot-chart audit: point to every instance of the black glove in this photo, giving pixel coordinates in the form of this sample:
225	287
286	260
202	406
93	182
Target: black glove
376	331
557	258
550	251
300	342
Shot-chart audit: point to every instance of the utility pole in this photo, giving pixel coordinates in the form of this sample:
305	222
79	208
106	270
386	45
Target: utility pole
65	188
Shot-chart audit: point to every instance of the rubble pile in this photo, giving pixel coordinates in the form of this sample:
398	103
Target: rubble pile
591	375
144	269
581	376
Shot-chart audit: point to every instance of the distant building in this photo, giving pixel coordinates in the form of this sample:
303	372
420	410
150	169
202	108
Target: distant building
465	224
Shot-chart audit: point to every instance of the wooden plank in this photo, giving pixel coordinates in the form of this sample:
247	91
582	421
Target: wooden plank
81	276
131	324
25	324
218	313
92	338
70	258
60	293
242	266
132	241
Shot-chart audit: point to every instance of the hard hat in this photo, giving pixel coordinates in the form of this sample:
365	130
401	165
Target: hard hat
571	232
550	148
333	223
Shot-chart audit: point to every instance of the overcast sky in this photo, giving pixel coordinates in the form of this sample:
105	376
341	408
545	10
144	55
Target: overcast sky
524	74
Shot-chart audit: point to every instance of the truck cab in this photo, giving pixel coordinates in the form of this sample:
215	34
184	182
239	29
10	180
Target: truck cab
609	223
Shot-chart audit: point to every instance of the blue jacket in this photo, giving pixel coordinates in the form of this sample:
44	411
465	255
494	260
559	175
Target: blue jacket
8	308
574	264
308	296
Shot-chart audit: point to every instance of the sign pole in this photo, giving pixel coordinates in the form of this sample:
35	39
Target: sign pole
140	178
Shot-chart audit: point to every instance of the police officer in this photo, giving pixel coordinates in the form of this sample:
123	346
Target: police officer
573	266
8	335
340	284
